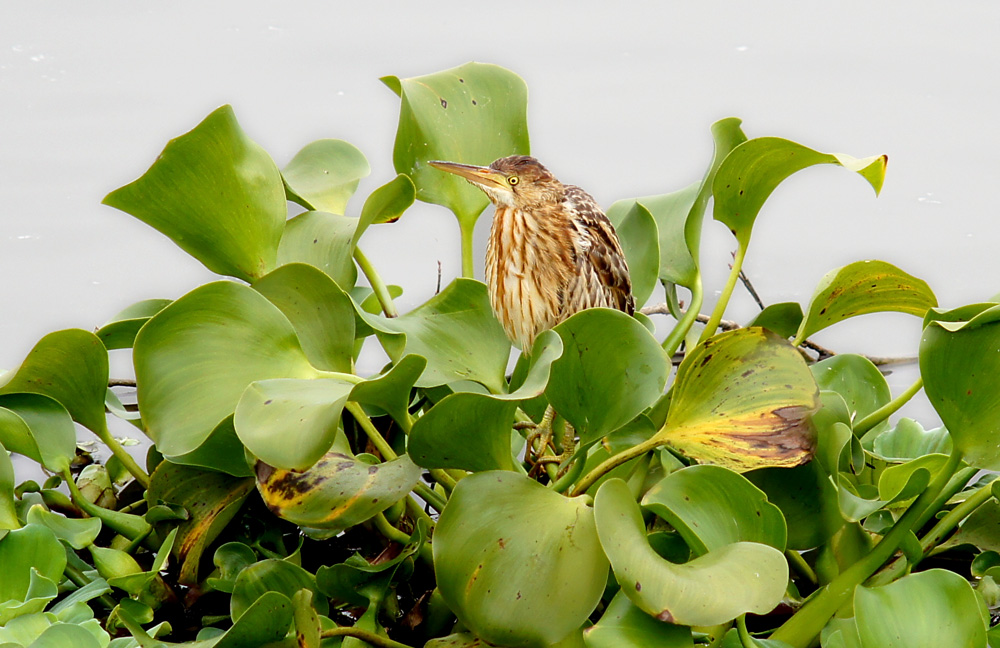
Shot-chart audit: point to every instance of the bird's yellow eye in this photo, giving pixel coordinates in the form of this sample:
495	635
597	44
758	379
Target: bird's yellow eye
513	180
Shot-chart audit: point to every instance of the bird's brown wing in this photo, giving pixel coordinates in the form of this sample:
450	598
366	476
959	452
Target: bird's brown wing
602	272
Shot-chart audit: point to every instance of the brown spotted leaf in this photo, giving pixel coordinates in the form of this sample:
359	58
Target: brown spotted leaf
211	499
338	492
743	400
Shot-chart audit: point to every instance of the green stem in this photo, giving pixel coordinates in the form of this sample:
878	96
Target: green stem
800	565
887	410
394	534
364	635
945	525
123	456
727	292
373	434
417	511
744	634
429	496
443	478
132	527
375	281
676	336
80	579
468	267
806	624
613	462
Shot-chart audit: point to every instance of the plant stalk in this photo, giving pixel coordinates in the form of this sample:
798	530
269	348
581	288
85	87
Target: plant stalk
676	336
887	410
375	281
369	428
466	229
613	462
727	292
123	456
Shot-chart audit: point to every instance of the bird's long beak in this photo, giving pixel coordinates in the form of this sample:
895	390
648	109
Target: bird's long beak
482	176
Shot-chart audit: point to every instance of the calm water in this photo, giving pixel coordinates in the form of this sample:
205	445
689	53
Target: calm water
621	103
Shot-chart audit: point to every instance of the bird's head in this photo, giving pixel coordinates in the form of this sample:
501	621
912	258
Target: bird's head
515	181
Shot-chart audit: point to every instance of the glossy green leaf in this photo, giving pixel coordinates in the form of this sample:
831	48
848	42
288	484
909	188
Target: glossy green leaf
711	507
120	331
930	609
27	554
194	359
78	533
474	113
8	507
782	318
322	240
321	313
637	232
960	366
864	287
391	390
230	559
854	377
623	625
291	423
324	175
386	204
519	564
336	493
909	440
712	589
742	400
755	168
38	427
271	575
211	499
70	366
216	194
610	370
457	333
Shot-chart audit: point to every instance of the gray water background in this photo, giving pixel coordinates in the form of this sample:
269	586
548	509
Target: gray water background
621	100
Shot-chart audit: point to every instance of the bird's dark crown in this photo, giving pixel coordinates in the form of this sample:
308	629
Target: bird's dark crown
525	167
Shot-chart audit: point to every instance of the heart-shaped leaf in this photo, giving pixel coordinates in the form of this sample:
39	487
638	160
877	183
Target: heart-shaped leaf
864	287
519	564
742	400
216	194
711	589
324	175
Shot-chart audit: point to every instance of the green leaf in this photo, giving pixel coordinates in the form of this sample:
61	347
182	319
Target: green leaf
782	318
909	440
38	427
864	287
807	499
711	507
24	553
637	231
669	212
755	168
623	625
194	359
211	499
322	240
266	619
291	423
120	331
8	507
71	367
981	529
324	175
78	533
854	377
386	204
930	609
519	564
742	399
216	194
271	575
611	369
711	589
960	367
336	493
60	635
474	113
391	390
455	331
321	313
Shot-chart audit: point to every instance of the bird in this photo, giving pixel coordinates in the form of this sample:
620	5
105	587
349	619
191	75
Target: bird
551	251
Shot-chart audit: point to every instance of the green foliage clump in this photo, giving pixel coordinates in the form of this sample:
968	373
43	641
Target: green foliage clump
756	495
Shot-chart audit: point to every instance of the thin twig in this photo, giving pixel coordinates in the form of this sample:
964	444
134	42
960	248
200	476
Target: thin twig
750	289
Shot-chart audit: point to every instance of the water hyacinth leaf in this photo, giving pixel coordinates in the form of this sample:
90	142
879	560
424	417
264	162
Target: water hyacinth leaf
195	358
857	380
519	564
981	529
119	332
33	546
271	575
70	366
929	609
711	507
230	559
637	231
211	500
623	625
38	427
807	500
222	451
60	635
324	175
755	168
78	533
711	589
455	331
391	390
610	370
669	212
782	318
386	204
336	493
742	400
864	287
267	619
322	240
290	423
474	113
961	370
321	313
216	194
307	624
909	440
897	483
8	507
